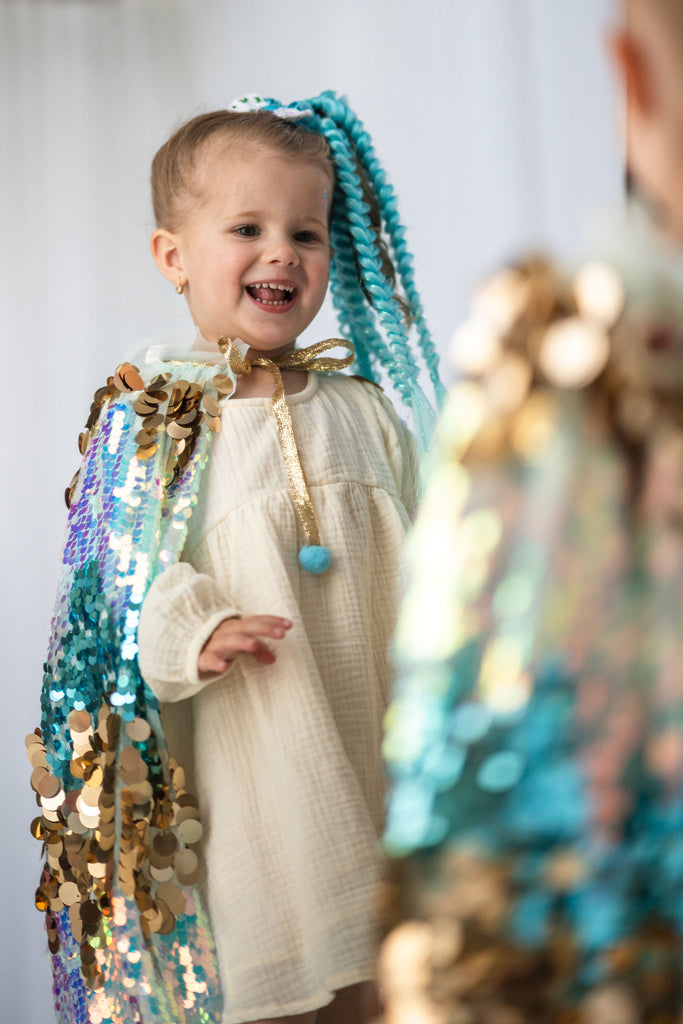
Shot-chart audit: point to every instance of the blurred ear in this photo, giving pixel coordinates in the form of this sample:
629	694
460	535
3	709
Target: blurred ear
633	69
164	245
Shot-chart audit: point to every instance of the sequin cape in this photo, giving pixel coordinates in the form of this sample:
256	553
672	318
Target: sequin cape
535	742
129	935
537	764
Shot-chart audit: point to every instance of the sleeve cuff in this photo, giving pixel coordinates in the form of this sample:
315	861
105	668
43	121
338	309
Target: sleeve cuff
194	647
180	612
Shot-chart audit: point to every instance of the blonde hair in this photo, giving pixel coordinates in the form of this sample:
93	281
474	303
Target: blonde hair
174	178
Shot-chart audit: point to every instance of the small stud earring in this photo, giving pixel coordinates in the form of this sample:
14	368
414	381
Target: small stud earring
179	287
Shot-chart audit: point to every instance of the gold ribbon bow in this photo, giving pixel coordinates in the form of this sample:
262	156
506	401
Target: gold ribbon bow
311	358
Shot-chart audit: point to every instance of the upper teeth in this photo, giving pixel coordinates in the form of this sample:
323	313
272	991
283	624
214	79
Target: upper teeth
275	287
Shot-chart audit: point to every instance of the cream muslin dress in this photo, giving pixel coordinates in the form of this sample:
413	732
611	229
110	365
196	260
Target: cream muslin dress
286	758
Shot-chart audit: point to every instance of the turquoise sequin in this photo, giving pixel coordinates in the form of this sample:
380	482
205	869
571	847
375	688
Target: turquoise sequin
126	523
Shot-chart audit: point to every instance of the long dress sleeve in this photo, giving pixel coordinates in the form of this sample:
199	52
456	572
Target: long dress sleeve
180	612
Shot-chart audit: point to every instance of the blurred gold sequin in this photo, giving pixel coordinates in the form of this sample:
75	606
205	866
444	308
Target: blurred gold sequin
533	427
475	347
501	299
599	293
573	352
509	383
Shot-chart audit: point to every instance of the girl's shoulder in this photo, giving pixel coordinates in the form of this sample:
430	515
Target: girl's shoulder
353	387
369	405
361	392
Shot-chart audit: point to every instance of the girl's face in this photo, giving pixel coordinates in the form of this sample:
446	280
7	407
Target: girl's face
255	249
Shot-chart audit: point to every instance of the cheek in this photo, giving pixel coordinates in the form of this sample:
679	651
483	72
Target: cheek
323	271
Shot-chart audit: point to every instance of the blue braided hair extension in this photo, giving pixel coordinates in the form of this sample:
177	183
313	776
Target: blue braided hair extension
380	332
370	312
388	205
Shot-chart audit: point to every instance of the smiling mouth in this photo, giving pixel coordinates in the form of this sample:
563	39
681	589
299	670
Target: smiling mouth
272	294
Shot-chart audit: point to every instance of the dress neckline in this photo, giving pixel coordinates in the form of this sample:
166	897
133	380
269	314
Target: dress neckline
301	396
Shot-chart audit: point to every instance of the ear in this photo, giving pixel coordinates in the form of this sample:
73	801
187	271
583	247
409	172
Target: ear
633	69
166	253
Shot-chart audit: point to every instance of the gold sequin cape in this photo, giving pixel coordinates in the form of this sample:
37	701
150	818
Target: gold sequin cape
535	742
128	933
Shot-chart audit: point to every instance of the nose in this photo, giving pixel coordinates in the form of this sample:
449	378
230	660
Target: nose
281	250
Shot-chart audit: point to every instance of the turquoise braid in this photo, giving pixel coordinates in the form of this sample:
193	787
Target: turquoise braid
351	302
376	326
354	316
343	116
352	219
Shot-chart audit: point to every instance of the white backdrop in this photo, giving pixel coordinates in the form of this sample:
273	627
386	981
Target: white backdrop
495	118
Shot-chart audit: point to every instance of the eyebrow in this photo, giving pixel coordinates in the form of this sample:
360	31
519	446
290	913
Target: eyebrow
255	214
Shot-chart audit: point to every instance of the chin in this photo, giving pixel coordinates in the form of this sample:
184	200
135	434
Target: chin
266	339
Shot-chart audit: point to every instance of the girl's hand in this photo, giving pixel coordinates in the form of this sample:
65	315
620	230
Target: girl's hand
240	636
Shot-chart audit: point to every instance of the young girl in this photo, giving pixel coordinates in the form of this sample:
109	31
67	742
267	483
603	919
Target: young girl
266	642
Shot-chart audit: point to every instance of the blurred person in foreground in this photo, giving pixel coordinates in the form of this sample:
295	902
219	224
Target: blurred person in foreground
535	742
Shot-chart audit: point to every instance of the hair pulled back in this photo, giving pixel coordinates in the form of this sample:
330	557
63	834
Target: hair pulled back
174	178
372	281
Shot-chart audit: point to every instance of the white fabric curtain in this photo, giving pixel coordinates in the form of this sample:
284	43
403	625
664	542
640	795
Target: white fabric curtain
495	118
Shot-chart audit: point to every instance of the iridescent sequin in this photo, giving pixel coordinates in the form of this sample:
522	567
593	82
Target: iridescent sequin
535	741
129	936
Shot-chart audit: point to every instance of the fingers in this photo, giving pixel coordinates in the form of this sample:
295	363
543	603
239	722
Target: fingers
263	654
234	637
265	625
210	664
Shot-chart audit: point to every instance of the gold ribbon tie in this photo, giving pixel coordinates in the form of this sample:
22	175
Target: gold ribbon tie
315	558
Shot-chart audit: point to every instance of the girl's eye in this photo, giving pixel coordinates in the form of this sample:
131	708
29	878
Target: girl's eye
247	231
306	236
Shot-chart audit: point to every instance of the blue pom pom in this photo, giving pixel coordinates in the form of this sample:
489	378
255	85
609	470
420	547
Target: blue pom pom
314	558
